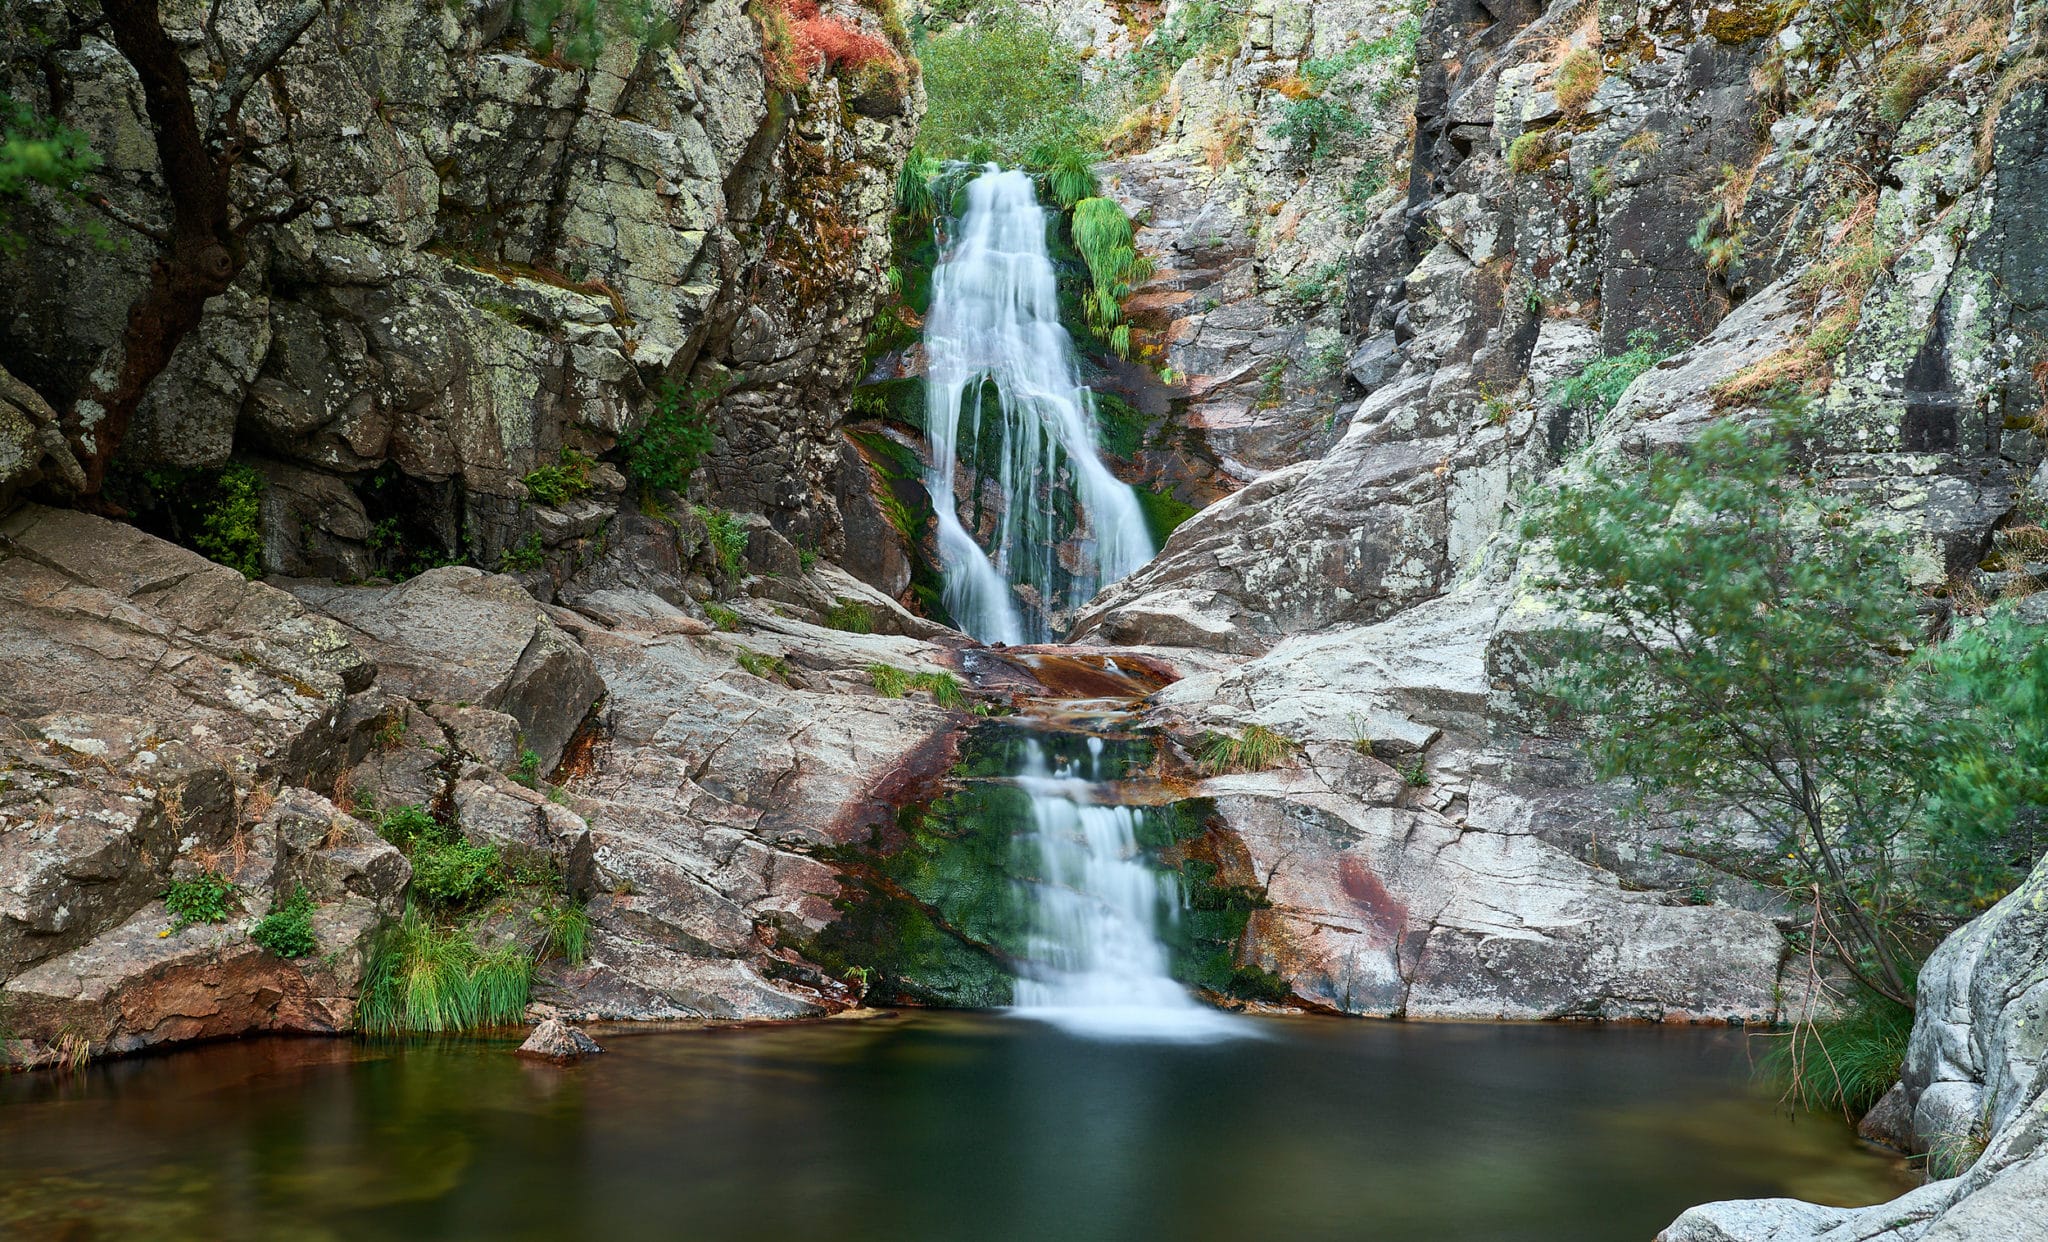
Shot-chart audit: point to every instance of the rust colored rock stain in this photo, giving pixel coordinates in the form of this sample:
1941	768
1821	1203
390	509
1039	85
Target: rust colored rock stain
917	778
1381	910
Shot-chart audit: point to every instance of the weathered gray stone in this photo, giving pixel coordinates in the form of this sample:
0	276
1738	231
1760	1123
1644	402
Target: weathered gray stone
555	1040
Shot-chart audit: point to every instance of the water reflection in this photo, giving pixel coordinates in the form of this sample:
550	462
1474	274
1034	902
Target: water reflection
934	1127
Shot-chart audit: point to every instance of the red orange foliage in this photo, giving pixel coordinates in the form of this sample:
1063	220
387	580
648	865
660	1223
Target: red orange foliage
815	38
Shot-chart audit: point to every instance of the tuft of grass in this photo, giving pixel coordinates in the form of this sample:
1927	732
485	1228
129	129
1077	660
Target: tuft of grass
564	931
1254	749
1597	388
1530	153
565	480
767	667
1577	81
205	898
722	617
424	977
1844	1064
852	616
287	931
523	557
894	683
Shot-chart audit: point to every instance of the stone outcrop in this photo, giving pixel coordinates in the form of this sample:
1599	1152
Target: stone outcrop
555	1040
1975	1093
486	254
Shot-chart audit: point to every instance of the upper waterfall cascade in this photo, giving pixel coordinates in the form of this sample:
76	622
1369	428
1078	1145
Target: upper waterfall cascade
995	324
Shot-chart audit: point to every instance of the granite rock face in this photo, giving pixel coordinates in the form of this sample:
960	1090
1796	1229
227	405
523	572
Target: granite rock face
1974	1089
491	255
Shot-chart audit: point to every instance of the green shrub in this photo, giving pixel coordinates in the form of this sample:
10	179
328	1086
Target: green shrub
664	453
567	479
1597	389
760	664
425	977
1316	127
1000	89
527	771
1254	749
728	536
455	873
231	529
205	898
722	617
1108	244
287	931
1843	1064
523	557
405	825
37	151
852	616
1069	166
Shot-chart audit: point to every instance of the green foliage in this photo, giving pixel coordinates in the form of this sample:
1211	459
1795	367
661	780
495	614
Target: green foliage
1597	389
564	931
1531	152
1000	89
1396	50
1744	667
404	825
578	30
523	557
1577	80
455	873
231	528
852	616
665	451
1108	244
894	683
914	198
425	977
728	537
1317	126
1119	426
1254	749
567	479
1845	1063
1069	168
527	772
36	151
287	931
205	898
1198	29
760	664
722	617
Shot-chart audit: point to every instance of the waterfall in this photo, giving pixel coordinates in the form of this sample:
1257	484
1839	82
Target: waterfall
1097	964
994	324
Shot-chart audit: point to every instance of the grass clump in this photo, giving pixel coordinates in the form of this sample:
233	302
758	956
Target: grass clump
1108	244
205	898
456	873
1577	80
1530	153
527	771
665	451
1315	128
1597	389
564	931
287	931
424	977
766	667
894	683
852	616
524	556
566	479
1844	1064
722	617
727	536
1254	749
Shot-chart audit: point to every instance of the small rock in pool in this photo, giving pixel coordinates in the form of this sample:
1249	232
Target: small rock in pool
557	1041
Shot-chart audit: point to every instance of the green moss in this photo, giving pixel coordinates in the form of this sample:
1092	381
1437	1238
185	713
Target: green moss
1743	20
1164	512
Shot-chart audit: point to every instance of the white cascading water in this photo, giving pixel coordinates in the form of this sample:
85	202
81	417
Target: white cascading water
1096	963
995	315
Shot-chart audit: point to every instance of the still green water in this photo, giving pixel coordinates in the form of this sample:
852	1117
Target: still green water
933	1126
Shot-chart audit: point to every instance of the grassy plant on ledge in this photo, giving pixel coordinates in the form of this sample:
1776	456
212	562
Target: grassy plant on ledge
427	978
205	898
287	931
1254	749
1597	389
567	479
852	616
564	931
894	683
728	536
766	667
1842	1065
722	617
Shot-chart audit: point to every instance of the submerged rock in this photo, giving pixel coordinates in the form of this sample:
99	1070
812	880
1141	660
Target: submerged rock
557	1041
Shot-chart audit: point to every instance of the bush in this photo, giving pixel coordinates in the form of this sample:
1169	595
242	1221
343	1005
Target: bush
287	931
664	453
455	873
231	529
1315	127
567	479
205	898
728	536
1000	88
1597	389
404	825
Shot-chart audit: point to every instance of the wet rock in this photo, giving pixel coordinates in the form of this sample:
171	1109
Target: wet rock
557	1041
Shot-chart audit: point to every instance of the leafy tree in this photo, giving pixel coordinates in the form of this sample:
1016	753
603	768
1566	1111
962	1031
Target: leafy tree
1002	89
1752	631
36	151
